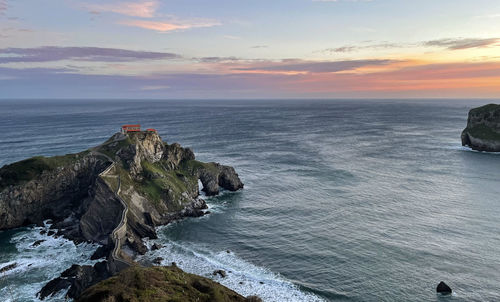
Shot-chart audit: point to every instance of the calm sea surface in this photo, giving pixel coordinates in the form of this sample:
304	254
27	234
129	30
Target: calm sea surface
344	200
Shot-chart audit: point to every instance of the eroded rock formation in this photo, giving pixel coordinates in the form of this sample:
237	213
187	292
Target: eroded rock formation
483	129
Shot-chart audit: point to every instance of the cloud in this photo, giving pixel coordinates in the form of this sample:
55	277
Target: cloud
95	54
412	80
143	9
353	48
167	26
318	67
259	46
462	43
217	59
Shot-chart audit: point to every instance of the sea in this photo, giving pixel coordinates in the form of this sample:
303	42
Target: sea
344	200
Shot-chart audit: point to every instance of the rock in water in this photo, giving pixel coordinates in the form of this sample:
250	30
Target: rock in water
8	267
37	243
443	288
220	272
156	246
483	129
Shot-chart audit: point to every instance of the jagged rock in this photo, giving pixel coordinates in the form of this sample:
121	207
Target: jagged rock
175	154
220	272
8	267
158	260
443	288
101	252
53	287
214	175
483	129
37	243
77	278
156	246
137	245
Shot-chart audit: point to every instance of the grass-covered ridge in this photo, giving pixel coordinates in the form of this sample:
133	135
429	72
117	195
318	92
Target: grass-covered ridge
23	171
485	109
137	284
483	132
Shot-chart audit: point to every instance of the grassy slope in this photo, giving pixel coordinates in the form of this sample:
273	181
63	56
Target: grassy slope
158	284
23	171
483	132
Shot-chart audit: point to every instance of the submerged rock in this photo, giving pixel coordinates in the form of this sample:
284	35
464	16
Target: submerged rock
8	267
483	129
220	272
37	243
156	246
443	288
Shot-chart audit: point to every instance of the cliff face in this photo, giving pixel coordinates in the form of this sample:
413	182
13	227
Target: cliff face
51	192
114	194
483	129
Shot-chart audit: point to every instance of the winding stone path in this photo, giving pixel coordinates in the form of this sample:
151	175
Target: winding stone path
119	233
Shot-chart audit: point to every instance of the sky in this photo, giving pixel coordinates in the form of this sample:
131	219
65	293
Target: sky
182	49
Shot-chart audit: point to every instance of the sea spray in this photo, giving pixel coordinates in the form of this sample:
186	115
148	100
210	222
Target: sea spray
38	264
243	277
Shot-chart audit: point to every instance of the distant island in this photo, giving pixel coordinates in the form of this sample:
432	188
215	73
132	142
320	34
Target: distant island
483	129
115	195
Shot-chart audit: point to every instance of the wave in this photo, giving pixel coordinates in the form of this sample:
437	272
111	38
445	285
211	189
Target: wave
37	265
243	277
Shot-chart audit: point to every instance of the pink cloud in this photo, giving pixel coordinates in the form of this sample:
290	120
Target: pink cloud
143	9
166	26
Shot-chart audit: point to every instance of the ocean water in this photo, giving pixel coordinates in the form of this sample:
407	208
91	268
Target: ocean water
344	200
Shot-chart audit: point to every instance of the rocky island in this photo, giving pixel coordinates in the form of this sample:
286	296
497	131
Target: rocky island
483	129
115	195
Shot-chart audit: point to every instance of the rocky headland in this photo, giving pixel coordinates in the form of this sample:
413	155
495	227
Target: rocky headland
483	129
114	195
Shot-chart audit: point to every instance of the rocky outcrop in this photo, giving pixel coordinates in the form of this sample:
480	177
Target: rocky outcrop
114	194
483	129
443	288
218	176
175	155
77	278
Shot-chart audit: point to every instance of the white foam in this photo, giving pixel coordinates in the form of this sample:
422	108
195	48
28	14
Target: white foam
38	265
464	148
243	277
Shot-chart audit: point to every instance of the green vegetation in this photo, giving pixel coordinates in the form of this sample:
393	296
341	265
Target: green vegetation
28	169
194	165
483	132
110	147
161	184
485	109
158	284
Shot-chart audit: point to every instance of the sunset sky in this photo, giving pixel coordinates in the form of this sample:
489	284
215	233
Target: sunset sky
249	48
